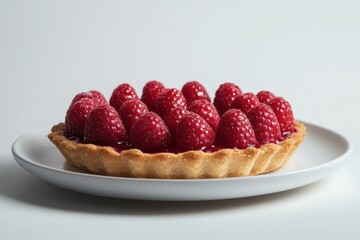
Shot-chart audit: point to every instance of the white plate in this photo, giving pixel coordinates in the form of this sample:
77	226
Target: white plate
322	152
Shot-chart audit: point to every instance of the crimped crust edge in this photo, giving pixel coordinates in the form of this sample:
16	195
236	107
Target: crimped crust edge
188	165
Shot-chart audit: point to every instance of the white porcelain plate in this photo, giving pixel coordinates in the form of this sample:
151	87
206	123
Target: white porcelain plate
322	152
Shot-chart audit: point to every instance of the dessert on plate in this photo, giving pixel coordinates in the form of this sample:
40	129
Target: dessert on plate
171	133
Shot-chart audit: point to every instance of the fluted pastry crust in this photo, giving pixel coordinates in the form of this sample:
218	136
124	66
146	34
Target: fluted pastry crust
188	165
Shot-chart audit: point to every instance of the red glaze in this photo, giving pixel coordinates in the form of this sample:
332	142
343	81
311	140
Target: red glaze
271	119
126	146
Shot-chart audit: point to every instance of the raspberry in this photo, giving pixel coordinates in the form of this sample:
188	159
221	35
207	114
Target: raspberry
284	114
235	130
122	93
104	127
265	96
76	116
173	119
97	96
224	97
151	92
245	102
207	111
193	133
170	99
131	111
264	123
193	91
150	133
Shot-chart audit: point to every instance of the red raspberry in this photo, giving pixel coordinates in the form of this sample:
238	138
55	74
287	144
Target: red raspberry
224	97
265	96
193	133
76	116
235	130
150	133
104	127
170	99
151	92
207	111
193	91
284	114
122	93
131	111
173	119
97	96
264	123
245	102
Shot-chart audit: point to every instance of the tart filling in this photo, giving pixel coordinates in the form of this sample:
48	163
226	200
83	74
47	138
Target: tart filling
223	163
170	133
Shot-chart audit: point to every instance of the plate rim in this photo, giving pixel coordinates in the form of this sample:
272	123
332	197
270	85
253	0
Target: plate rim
344	155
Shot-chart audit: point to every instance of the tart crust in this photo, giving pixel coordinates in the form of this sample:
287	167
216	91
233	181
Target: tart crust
187	165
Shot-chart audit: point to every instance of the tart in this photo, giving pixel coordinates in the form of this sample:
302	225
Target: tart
181	135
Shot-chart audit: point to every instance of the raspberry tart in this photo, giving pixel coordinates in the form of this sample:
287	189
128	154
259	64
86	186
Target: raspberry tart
171	133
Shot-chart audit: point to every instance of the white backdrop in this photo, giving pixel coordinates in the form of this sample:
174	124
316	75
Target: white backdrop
306	51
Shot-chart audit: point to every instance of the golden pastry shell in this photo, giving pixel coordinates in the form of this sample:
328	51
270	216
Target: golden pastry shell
134	163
